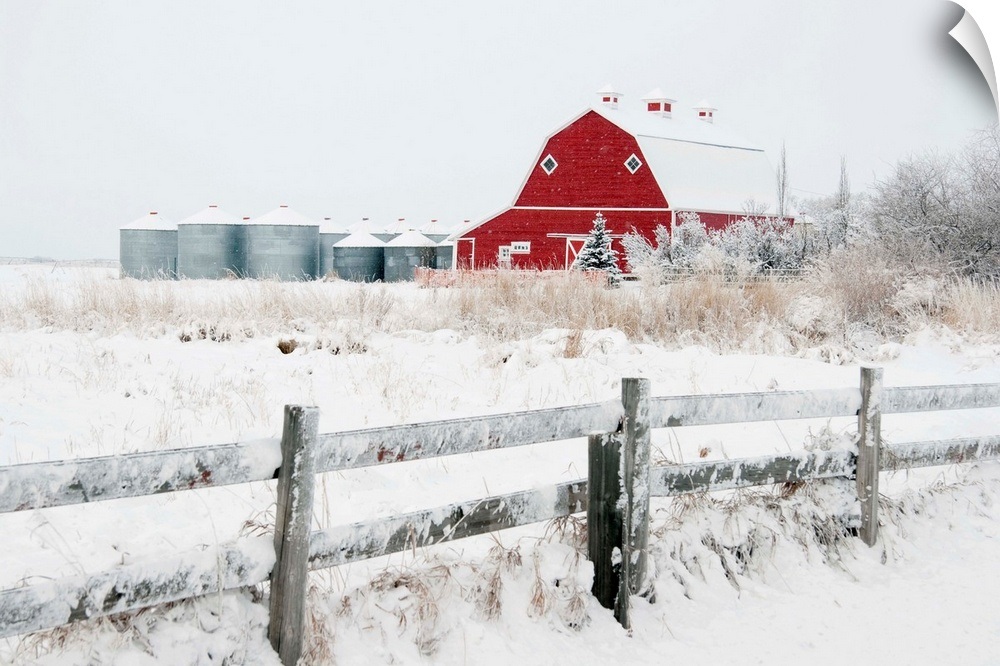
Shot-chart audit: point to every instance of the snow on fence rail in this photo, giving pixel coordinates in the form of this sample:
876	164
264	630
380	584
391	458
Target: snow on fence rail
616	505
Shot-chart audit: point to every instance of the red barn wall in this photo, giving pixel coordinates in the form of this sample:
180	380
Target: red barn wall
520	224
591	170
591	177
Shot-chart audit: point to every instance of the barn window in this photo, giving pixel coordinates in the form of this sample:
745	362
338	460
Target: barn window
653	106
633	163
549	164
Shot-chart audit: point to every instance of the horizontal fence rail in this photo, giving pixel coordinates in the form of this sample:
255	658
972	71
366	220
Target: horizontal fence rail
134	586
384	536
671	480
903	399
250	561
49	484
939	452
376	446
694	410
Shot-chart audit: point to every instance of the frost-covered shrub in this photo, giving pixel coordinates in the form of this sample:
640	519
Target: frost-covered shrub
690	238
766	243
811	316
752	245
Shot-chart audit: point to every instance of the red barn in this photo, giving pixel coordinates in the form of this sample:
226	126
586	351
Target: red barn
640	168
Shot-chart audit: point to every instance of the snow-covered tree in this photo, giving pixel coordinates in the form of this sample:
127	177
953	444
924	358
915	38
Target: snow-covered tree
690	238
597	253
936	209
766	243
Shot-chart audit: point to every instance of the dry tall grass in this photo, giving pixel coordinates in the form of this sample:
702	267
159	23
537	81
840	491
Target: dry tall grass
846	292
973	307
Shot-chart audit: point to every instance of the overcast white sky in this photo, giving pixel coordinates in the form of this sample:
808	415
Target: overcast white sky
429	109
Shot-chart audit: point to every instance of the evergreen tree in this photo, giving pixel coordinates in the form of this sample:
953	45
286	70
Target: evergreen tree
597	255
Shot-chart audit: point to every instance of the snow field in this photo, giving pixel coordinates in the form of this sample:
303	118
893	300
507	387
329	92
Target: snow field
102	380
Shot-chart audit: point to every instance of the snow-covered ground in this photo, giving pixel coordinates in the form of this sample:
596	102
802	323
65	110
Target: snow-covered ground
925	594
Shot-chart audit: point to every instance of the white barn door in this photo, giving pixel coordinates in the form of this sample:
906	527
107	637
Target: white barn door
573	247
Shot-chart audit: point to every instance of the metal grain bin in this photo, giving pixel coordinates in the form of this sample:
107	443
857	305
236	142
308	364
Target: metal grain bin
359	258
282	244
329	233
147	248
406	252
444	257
210	245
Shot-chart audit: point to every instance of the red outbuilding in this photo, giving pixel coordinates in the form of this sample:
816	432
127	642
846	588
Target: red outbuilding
640	168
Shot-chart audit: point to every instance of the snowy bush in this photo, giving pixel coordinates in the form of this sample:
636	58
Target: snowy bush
766	243
690	238
752	245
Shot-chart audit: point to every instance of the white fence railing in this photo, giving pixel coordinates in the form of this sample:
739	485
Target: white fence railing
615	495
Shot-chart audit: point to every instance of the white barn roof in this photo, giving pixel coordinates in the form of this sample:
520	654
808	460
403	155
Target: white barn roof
698	165
212	215
696	176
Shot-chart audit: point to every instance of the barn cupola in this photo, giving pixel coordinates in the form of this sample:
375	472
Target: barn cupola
705	111
608	96
659	104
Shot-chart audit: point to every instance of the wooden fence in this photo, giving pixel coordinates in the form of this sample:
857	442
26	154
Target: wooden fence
620	480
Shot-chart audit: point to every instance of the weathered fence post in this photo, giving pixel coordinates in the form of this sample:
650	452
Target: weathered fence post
869	444
618	507
605	523
293	521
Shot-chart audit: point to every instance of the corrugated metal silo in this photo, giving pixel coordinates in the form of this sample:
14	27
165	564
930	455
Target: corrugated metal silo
444	257
148	248
406	252
329	233
282	244
210	245
360	258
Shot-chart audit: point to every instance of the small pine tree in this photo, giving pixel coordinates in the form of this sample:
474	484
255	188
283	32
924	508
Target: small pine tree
597	255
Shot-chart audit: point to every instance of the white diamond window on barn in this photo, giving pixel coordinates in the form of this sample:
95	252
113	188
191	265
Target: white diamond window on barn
633	163
549	164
